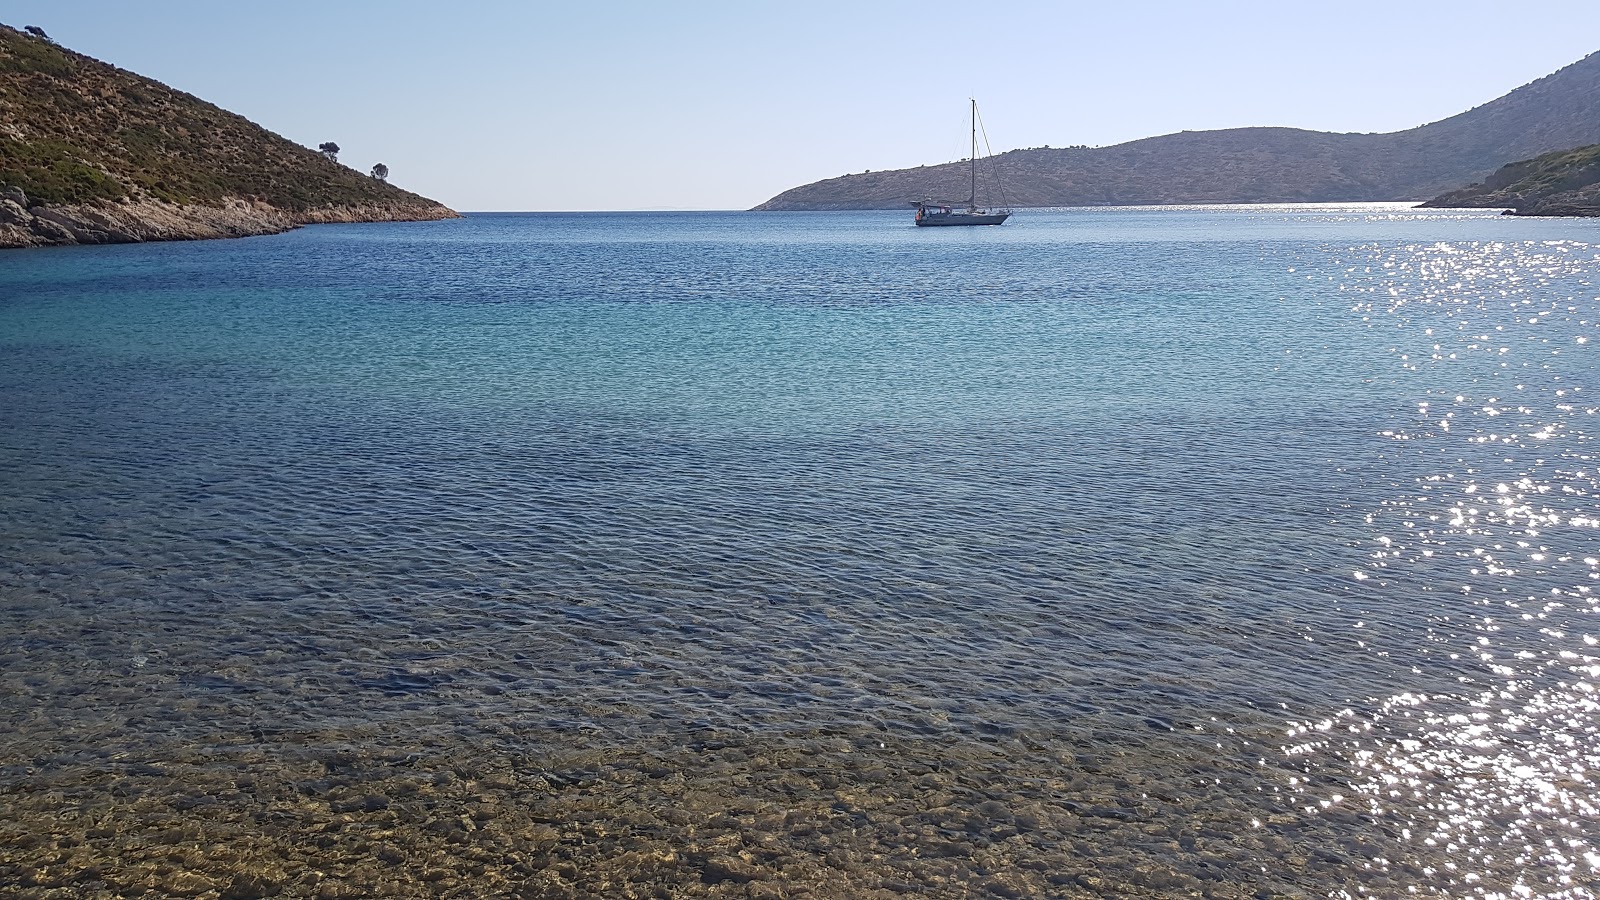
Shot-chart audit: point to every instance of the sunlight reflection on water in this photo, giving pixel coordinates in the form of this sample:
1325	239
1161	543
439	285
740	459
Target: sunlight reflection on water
1489	789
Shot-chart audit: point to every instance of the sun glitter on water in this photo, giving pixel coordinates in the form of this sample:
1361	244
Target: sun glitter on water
1487	790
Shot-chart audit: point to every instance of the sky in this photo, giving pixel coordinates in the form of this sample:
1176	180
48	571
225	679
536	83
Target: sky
614	105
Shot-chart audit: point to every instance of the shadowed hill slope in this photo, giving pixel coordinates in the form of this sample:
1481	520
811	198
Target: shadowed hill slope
1563	183
90	153
1256	165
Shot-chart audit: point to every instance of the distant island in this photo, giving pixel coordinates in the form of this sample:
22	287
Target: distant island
1257	165
92	154
1563	183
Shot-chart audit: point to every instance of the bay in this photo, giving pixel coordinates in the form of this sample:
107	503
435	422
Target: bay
1206	551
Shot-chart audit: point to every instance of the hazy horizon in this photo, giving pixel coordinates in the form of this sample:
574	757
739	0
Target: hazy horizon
720	106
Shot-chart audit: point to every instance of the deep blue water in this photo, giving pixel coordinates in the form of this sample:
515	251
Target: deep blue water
1272	525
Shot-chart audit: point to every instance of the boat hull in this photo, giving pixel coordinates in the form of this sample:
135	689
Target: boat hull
939	219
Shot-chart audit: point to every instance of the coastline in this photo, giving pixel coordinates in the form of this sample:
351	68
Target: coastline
1563	183
140	221
1570	205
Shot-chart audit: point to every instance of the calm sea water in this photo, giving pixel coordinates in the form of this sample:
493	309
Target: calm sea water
1146	552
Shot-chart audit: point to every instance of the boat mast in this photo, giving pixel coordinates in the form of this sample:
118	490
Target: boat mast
972	194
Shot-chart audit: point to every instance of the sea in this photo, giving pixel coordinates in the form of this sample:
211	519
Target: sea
1214	551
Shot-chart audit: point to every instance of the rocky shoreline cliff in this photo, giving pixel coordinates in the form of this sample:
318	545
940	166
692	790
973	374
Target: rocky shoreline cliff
93	154
134	221
1563	183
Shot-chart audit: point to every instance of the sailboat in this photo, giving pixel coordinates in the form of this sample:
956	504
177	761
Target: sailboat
931	213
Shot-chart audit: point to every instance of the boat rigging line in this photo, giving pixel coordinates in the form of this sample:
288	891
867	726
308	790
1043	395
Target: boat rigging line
988	151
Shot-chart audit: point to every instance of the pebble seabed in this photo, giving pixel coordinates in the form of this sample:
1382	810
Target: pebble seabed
722	816
308	749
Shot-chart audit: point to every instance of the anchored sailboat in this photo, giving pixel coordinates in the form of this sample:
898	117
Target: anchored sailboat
931	213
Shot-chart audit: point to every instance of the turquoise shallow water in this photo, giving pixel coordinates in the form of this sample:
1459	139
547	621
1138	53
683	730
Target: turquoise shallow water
1144	551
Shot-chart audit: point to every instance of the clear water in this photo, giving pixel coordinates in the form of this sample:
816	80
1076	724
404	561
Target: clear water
1147	552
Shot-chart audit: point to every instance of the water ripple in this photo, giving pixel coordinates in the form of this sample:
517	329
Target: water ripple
1132	552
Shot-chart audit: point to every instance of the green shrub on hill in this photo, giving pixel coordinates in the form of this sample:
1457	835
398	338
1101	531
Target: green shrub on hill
30	54
49	173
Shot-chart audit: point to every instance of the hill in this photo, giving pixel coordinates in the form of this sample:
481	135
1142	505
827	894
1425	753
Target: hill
90	153
1563	183
1256	165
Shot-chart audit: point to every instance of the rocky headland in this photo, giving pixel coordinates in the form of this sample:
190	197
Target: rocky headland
1253	165
1563	183
93	154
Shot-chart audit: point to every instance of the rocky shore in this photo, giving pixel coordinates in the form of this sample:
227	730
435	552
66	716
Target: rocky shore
1584	203
25	223
1576	203
1562	183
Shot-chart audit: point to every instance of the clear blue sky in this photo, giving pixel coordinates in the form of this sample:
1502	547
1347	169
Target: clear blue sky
718	105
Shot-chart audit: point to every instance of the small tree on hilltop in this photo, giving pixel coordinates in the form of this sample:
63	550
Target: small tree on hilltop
37	32
380	172
330	150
